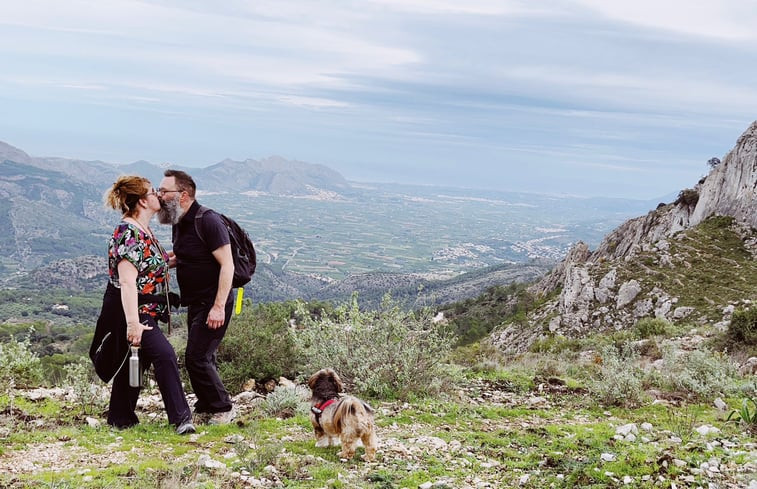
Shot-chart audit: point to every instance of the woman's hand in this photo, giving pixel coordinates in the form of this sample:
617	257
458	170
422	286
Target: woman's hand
134	332
127	279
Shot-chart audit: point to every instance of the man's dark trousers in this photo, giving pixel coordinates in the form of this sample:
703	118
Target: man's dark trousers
200	358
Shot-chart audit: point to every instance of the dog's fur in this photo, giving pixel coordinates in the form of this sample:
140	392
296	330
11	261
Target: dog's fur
347	421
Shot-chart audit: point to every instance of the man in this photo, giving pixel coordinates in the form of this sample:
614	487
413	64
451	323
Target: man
204	270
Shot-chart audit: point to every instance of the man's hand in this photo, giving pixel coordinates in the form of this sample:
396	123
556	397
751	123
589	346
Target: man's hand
216	316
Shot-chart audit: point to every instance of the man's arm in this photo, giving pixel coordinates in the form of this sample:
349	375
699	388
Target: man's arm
218	312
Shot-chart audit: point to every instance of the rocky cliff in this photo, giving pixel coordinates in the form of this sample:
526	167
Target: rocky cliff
731	188
691	260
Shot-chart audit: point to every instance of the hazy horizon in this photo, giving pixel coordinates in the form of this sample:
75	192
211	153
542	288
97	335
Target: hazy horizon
567	97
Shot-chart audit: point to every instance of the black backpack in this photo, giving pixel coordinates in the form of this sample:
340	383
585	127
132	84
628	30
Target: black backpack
242	250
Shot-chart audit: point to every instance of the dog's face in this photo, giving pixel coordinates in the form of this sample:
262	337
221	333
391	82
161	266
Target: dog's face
325	384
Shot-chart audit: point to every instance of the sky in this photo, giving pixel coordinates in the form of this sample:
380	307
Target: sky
579	97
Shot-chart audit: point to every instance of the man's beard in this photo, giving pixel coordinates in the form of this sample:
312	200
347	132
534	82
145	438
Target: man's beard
170	212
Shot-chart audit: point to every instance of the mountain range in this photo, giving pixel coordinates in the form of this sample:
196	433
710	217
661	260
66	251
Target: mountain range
56	227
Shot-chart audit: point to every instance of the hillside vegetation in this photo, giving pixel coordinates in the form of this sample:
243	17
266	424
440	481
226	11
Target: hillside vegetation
599	414
656	404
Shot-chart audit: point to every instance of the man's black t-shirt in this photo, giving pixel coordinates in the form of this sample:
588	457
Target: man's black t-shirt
196	268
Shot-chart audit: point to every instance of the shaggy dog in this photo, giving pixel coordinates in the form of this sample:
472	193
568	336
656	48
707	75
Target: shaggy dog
336	418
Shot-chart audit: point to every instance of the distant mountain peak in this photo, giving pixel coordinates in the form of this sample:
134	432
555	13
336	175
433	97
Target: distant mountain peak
274	174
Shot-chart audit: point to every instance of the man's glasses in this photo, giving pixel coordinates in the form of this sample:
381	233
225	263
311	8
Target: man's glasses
162	191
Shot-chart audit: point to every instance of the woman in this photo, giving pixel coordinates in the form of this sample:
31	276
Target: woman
136	297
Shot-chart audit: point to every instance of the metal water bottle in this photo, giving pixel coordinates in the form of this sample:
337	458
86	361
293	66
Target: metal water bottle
135	373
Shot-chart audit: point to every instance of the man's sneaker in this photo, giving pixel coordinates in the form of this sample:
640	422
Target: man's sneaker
202	418
186	428
224	417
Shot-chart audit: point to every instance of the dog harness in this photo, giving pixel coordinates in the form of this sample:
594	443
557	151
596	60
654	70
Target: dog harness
318	410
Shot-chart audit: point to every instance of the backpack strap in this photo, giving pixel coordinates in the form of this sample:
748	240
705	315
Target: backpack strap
198	221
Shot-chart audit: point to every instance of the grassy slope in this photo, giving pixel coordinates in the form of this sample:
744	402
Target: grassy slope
711	268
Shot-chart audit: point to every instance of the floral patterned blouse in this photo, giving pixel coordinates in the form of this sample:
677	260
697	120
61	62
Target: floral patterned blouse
150	259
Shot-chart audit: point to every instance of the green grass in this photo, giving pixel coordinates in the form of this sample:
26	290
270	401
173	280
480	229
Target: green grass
498	443
711	267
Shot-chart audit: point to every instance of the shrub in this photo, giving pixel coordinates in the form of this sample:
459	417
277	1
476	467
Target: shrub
650	348
647	327
699	372
86	393
54	367
743	327
479	356
285	402
555	344
19	366
384	353
619	380
688	197
260	450
258	345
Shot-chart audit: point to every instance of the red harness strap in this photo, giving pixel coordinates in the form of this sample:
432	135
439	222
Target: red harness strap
324	405
318	409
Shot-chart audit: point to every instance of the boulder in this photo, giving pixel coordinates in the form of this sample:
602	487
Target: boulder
627	293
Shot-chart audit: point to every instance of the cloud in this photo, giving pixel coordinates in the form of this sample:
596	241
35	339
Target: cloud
317	103
731	20
484	85
624	89
453	7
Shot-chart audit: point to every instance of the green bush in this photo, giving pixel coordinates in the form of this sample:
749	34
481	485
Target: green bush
700	373
647	327
86	389
285	402
619	380
55	366
555	343
258	345
387	353
19	366
743	327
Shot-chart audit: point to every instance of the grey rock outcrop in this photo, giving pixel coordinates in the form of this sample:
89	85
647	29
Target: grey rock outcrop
590	298
627	293
731	188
